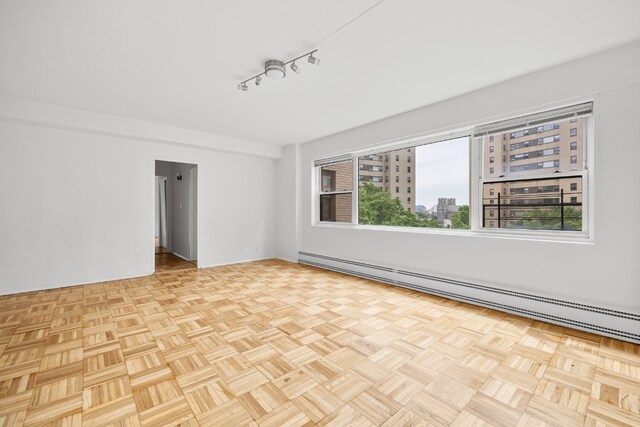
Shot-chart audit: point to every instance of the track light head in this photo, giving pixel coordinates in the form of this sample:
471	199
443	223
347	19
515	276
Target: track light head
258	80
295	68
243	87
312	59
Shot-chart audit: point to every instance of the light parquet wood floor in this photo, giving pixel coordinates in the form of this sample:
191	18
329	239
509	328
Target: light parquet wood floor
272	343
167	262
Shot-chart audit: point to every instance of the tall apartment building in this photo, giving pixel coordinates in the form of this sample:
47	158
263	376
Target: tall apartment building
514	159
393	171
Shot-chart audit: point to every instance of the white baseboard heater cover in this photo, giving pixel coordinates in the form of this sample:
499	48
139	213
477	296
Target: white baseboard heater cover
599	320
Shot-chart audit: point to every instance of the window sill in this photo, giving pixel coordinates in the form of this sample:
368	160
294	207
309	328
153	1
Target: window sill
542	236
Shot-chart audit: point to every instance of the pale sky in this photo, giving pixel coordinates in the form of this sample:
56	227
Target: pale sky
442	170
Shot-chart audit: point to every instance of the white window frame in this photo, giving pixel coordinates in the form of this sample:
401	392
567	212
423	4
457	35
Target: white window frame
585	174
316	182
475	184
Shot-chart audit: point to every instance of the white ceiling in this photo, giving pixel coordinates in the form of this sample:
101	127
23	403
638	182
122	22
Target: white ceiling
178	62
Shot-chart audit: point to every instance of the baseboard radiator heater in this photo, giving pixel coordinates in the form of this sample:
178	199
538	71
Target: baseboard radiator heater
599	320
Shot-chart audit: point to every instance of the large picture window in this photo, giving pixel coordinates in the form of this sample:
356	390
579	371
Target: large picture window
530	174
437	173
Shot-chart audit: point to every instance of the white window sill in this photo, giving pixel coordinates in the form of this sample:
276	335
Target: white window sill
531	235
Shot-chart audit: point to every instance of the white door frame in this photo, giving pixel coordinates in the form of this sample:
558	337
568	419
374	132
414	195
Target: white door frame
193	213
152	205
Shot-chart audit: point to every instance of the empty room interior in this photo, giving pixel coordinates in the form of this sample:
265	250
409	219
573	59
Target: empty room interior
333	213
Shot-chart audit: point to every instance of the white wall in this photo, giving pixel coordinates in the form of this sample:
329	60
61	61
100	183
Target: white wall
66	217
288	205
605	273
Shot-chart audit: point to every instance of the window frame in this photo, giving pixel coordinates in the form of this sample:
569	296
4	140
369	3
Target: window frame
586	174
476	152
318	193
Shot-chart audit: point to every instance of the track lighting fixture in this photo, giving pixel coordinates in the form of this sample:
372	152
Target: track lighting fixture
275	69
313	60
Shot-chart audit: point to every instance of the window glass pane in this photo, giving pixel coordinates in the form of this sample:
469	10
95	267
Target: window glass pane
335	207
337	177
537	150
539	204
437	190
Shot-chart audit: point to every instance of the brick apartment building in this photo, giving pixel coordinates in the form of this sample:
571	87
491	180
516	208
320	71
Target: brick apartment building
514	159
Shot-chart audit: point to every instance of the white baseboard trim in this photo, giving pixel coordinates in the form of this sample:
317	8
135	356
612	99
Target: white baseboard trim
68	285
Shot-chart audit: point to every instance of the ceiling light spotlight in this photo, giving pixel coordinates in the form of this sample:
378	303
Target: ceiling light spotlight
274	69
243	87
312	59
258	80
295	68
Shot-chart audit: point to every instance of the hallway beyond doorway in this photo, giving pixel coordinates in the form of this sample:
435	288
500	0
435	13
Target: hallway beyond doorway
167	262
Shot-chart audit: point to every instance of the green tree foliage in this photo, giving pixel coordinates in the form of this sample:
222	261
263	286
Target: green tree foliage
549	219
377	207
460	219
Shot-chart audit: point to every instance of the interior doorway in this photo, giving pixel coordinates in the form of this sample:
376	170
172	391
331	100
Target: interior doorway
176	218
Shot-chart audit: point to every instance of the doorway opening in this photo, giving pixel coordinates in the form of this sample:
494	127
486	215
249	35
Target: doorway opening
176	216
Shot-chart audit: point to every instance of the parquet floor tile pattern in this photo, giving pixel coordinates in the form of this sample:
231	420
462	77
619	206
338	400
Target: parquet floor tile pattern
272	343
166	262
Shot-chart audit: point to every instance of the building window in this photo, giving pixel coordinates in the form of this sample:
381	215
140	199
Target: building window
386	168
336	192
531	184
397	157
546	191
449	158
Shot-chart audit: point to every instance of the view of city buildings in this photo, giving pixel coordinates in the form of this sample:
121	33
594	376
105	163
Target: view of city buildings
519	189
519	157
393	171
